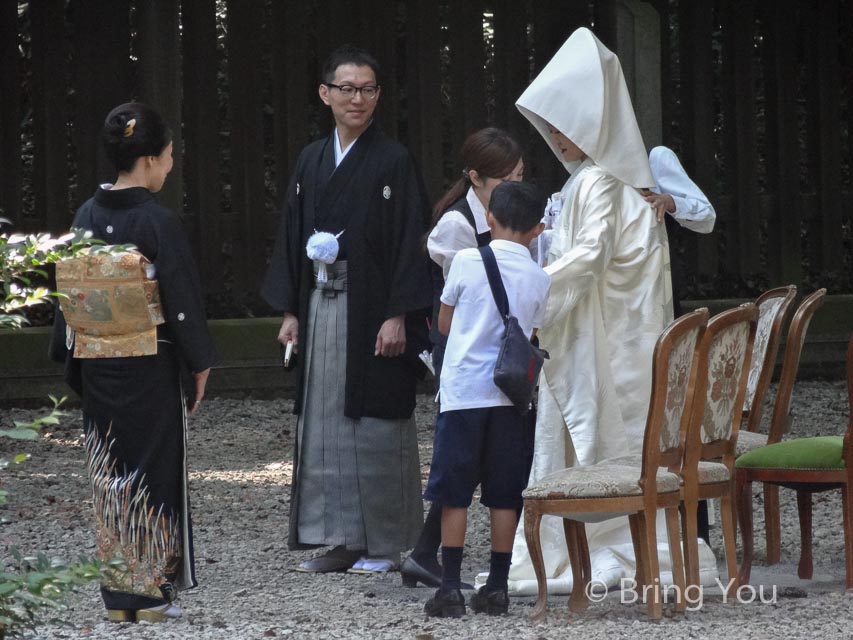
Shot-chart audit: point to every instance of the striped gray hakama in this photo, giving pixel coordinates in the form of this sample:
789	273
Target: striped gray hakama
357	481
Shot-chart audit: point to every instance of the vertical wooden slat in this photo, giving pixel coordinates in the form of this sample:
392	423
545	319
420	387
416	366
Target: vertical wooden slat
784	251
50	175
687	79
702	250
294	86
10	118
248	194
771	145
158	48
604	17
424	99
95	94
682	244
748	221
810	160
847	36
201	129
85	123
666	63
830	255
467	60
341	22
727	209
114	83
384	47
553	22
511	65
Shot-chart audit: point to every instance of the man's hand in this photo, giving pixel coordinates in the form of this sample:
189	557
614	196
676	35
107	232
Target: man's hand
662	203
289	331
200	383
391	340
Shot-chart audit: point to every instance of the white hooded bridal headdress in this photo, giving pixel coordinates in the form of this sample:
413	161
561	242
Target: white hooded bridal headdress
582	92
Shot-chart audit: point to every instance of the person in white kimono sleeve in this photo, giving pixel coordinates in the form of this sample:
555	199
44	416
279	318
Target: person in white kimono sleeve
675	193
610	299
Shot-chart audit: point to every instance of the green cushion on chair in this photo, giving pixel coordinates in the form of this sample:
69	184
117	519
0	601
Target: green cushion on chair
823	452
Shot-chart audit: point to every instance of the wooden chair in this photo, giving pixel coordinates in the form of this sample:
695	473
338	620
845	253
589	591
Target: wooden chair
780	421
773	306
602	491
712	428
807	465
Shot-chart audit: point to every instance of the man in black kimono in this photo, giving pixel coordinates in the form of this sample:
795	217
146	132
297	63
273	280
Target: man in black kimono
358	324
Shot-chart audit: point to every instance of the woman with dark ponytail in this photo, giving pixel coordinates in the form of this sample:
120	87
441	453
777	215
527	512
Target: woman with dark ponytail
488	157
135	401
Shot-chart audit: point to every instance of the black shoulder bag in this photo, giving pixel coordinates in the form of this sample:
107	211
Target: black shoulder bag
519	361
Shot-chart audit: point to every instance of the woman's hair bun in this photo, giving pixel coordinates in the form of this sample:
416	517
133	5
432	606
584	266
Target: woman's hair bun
133	130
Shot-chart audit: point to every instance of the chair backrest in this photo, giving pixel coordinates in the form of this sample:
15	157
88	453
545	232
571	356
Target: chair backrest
673	370
773	306
781	420
722	370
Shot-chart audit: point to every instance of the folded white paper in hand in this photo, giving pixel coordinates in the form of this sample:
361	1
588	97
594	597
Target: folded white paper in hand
426	358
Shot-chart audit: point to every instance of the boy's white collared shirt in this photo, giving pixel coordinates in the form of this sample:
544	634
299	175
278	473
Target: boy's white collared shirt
475	333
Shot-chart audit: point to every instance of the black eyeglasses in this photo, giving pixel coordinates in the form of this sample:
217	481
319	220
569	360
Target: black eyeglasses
348	91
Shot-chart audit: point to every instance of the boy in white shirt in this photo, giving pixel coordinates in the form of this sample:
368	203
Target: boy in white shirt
479	434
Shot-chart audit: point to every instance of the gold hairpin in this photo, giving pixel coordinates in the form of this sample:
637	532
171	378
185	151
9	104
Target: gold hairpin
128	129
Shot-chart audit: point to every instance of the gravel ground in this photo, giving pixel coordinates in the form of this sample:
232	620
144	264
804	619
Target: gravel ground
240	458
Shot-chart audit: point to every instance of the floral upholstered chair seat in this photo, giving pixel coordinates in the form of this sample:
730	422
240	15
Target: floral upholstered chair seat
597	481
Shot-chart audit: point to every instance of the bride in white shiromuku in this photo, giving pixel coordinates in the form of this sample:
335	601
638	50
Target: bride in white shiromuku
610	299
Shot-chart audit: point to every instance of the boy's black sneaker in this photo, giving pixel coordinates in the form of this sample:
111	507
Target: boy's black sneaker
446	604
495	602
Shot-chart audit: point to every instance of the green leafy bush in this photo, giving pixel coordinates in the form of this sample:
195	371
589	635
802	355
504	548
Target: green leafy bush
23	258
35	586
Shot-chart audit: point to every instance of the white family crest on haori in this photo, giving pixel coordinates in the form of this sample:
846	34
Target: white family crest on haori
386	192
323	249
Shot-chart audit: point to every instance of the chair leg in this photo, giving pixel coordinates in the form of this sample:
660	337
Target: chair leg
772	526
648	526
847	514
727	519
691	539
636	539
583	546
676	557
532	522
578	600
743	495
804	507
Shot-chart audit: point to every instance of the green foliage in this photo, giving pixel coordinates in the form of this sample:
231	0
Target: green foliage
29	430
38	584
35	588
22	273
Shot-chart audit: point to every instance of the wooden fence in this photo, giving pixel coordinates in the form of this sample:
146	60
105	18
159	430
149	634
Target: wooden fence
755	97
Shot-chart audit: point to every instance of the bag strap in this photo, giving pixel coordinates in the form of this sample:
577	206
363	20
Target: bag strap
495	282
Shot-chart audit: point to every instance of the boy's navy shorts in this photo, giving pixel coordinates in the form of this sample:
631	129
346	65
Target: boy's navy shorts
485	446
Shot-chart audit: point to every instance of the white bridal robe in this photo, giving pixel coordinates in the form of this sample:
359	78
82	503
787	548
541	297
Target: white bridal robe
610	299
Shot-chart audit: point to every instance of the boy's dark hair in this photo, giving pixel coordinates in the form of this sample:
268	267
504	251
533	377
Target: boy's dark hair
347	54
133	130
518	206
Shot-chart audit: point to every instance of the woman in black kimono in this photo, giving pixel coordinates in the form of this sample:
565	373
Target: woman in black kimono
135	408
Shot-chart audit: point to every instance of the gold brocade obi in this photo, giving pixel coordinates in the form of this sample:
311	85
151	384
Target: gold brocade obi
111	304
